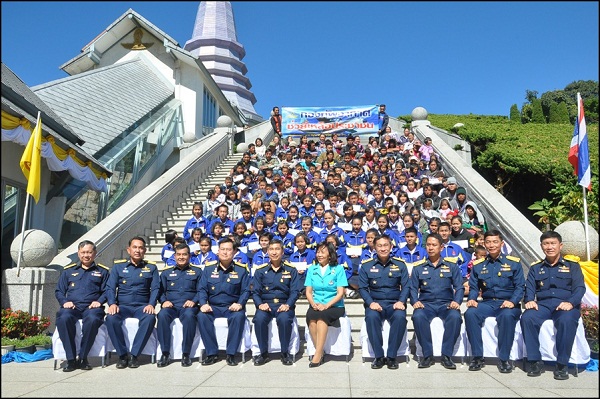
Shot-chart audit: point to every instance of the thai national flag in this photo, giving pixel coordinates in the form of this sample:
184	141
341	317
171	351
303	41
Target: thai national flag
579	155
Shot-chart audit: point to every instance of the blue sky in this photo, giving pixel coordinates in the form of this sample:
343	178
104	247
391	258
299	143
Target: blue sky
449	57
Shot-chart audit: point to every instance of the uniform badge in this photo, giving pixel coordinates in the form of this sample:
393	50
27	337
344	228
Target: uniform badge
390	274
441	274
228	280
141	275
331	283
541	283
74	274
281	281
72	284
499	274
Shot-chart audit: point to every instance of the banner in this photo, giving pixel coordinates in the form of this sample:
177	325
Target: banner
312	121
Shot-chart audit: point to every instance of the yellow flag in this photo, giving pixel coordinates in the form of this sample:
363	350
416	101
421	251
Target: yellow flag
31	161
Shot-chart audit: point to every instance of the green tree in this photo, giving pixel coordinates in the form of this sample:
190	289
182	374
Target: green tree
515	115
537	113
558	113
526	112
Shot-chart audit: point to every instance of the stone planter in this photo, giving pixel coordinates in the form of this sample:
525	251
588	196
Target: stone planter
593	343
43	347
26	349
7	348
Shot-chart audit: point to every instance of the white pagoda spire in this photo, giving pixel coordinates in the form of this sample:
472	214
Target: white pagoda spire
214	42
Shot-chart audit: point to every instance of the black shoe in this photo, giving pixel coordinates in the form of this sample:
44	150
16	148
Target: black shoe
84	364
312	365
535	369
477	363
426	362
122	363
378	363
230	360
561	372
287	359
392	364
71	366
186	361
164	361
261	359
448	363
505	367
133	362
210	359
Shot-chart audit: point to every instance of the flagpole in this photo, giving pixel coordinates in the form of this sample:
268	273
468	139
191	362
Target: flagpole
585	218
23	236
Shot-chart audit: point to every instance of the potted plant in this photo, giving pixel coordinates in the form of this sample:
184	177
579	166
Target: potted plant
21	326
8	345
589	316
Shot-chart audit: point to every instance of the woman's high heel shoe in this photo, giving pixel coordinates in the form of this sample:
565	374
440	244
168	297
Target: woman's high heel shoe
311	364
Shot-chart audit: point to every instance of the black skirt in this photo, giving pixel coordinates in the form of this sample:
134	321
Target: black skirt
330	316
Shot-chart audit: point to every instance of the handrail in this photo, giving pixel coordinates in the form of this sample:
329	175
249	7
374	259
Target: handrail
146	210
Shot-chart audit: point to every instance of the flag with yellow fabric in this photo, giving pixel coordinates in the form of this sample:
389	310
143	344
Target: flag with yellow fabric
31	161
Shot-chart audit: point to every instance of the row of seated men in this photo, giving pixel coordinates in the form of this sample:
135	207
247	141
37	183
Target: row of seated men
197	297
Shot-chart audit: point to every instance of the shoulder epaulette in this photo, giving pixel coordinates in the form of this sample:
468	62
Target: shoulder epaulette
169	268
536	262
69	266
369	260
478	261
121	261
242	265
287	263
261	266
194	266
419	262
102	266
398	259
211	262
151	262
514	258
453	259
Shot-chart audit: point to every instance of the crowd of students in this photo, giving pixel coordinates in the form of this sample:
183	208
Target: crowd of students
307	192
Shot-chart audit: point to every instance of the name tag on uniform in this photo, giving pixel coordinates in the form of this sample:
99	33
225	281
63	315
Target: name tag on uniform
286	276
173	274
564	270
425	272
234	276
374	270
214	276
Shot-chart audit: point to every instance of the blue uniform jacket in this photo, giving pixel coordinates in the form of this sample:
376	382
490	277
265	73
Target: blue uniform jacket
220	287
281	286
81	286
288	243
260	258
227	224
418	254
133	285
334	230
307	256
500	278
356	238
458	255
180	285
441	283
201	259
379	282
192	224
552	285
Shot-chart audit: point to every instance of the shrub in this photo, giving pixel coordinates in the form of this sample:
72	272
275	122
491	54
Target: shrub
589	316
20	324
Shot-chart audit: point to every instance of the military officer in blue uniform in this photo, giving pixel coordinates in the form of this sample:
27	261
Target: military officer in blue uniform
553	290
436	290
224	291
275	290
81	293
178	296
383	284
502	283
132	291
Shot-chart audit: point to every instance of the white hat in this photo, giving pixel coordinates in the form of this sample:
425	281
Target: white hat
293	144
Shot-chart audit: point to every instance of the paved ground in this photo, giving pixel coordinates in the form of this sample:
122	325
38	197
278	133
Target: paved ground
335	378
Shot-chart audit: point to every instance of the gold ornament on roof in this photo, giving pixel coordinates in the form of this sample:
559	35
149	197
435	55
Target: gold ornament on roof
137	41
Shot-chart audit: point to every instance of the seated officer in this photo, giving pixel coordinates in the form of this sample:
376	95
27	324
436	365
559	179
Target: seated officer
132	291
383	284
223	292
81	293
276	287
501	281
436	290
553	290
178	297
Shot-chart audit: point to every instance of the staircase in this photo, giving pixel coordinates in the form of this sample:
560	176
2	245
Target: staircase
183	213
